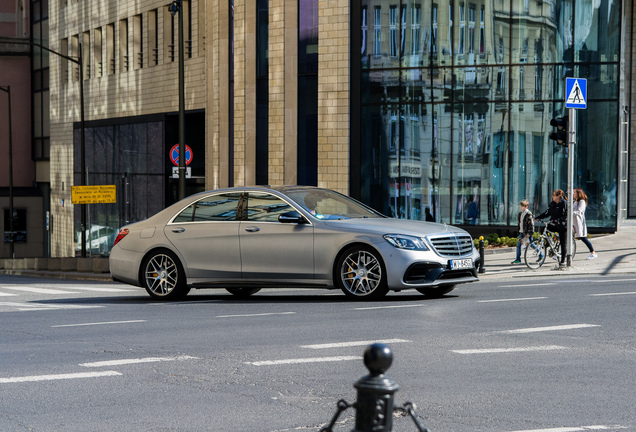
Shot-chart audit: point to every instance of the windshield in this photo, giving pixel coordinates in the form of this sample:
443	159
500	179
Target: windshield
328	204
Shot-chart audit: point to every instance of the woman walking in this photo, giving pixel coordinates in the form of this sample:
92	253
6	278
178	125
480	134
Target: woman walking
580	228
557	210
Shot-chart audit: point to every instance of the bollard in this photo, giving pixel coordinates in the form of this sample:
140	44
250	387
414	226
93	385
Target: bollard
481	254
374	405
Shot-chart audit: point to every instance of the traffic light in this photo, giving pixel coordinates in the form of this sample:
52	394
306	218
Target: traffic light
561	135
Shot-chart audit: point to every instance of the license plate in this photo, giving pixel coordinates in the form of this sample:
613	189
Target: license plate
461	264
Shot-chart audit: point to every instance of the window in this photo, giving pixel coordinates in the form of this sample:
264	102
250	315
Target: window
86	55
365	31
482	31
153	37
393	31
462	27
433	49
187	28
74	52
416	18
110	48
97	52
138	44
169	48
264	207
471	28
377	31
214	208
19	225
63	61
123	46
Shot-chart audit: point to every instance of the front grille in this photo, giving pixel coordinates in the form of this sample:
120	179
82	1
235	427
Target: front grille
452	245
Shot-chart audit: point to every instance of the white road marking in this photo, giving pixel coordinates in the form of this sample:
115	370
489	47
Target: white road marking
612	294
574	429
97	289
135	361
58	377
37	290
527	285
352	344
514	299
552	328
39	306
388	307
98	323
2	294
509	350
303	360
255	315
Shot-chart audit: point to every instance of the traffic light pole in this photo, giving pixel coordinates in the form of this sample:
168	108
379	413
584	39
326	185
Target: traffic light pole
570	193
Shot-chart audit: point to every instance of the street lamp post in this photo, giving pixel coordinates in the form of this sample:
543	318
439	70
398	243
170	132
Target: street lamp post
77	61
7	89
177	7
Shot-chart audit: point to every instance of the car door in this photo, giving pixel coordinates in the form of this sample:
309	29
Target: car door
206	235
271	250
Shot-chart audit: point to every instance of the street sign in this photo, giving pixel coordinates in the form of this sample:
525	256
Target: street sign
576	91
98	194
175	172
174	155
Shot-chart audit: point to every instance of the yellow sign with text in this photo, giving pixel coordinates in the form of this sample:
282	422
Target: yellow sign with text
99	194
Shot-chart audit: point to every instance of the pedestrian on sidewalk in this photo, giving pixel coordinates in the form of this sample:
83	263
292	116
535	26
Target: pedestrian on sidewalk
526	228
579	205
557	211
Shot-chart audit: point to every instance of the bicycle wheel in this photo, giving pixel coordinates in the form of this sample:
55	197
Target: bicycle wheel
557	248
535	253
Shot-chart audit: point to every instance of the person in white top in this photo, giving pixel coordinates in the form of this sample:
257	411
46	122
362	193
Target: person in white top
580	228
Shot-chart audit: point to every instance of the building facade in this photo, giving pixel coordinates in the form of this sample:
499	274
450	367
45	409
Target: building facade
435	109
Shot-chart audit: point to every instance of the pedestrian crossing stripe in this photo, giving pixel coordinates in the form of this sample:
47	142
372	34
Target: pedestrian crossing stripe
576	89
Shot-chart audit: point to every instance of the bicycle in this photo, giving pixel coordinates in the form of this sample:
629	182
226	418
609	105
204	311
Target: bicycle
544	246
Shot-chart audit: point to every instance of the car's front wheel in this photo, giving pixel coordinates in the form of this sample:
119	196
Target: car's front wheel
360	274
163	276
242	292
437	291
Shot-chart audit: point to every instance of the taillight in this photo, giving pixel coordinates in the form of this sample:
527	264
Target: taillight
122	233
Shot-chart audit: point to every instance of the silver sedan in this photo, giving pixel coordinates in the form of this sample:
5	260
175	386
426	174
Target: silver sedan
247	238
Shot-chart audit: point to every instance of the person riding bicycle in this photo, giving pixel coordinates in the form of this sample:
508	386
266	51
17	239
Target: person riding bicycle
557	211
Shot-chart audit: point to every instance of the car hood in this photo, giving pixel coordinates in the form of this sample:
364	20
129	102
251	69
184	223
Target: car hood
394	226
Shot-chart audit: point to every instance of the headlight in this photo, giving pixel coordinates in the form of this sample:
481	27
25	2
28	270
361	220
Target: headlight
401	241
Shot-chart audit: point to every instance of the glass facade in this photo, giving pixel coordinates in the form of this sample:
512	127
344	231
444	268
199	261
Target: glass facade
456	98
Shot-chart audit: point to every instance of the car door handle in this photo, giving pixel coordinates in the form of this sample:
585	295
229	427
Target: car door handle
252	229
178	230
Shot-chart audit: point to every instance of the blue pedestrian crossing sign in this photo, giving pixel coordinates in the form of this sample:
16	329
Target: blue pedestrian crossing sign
576	91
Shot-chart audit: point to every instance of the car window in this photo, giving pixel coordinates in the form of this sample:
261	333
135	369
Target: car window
220	207
265	207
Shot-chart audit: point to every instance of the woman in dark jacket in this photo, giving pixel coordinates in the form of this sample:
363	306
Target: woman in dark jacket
557	210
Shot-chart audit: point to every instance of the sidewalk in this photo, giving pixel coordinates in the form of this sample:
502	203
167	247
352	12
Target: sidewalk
616	255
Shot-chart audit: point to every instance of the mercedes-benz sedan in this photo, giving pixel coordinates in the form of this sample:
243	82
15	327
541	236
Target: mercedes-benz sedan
244	239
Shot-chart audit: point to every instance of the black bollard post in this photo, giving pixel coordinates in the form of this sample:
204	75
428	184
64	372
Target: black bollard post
374	405
481	254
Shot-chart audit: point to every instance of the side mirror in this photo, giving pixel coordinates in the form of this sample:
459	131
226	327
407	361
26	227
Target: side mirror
292	217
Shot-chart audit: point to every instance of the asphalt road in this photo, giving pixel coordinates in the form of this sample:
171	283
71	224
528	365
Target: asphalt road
499	355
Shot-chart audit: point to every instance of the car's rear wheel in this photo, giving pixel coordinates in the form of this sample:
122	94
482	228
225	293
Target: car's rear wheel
242	292
360	274
437	291
163	276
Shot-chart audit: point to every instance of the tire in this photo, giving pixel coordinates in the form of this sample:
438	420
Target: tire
438	291
535	253
360	274
163	276
242	292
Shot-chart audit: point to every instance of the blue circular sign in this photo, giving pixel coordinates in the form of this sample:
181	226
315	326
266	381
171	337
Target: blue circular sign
174	155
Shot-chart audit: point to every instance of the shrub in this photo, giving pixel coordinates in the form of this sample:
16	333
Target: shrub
512	242
492	238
